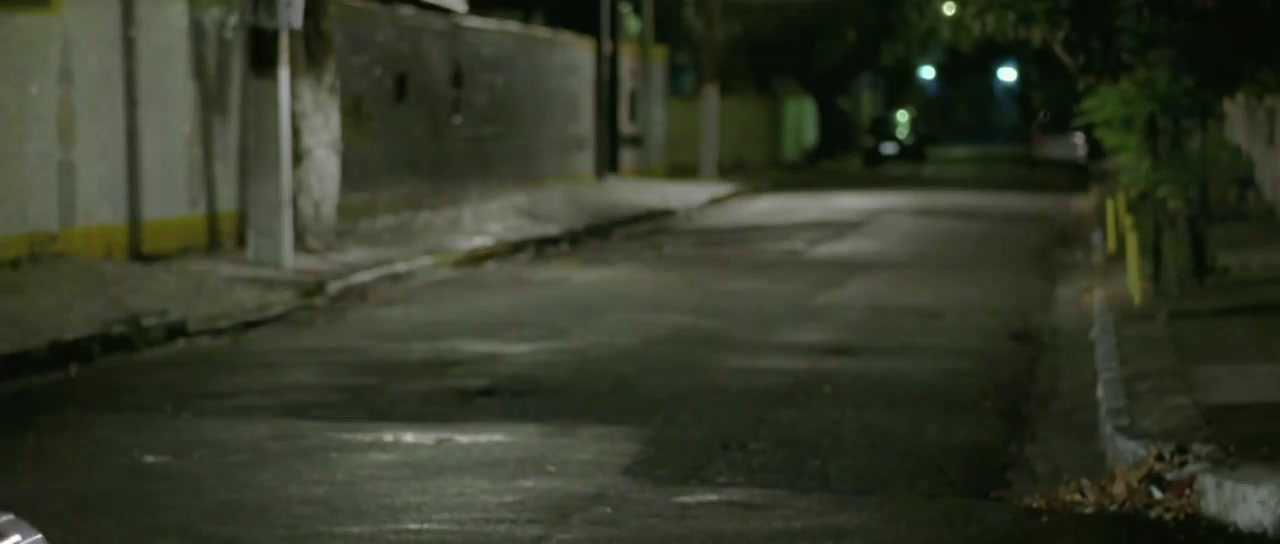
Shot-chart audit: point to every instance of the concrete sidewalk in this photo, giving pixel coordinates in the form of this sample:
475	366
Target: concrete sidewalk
1249	248
535	213
61	312
1202	371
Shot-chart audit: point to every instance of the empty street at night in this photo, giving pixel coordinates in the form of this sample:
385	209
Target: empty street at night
793	367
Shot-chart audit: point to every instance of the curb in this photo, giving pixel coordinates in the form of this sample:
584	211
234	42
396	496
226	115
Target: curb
65	355
1245	496
499	250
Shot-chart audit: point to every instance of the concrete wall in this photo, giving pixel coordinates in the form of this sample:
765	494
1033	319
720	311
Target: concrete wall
523	113
62	112
1255	125
643	148
749	133
799	129
175	198
63	157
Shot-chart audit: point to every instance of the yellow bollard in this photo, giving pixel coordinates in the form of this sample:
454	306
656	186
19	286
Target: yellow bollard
1122	209
1133	260
1112	235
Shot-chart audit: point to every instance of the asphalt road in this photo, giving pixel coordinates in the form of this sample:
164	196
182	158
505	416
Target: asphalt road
874	366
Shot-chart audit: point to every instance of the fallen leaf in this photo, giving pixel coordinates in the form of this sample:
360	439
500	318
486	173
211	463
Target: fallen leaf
1179	488
1119	487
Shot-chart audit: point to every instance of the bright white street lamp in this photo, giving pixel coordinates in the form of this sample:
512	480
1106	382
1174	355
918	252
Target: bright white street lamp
927	72
1007	74
949	8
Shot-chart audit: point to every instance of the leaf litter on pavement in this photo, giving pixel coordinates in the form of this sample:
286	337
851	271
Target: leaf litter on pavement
1161	486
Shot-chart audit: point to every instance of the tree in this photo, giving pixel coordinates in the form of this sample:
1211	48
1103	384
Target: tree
1152	74
820	44
318	119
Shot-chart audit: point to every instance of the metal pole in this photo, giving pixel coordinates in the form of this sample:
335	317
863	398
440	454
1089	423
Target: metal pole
648	95
604	104
132	159
615	94
709	101
284	101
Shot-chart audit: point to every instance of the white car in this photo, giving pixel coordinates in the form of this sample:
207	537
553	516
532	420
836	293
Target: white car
15	531
1060	147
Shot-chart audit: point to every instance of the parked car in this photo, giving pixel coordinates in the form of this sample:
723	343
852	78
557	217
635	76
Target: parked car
900	137
1069	147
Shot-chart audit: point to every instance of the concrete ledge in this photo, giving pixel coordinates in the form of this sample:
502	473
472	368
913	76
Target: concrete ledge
1119	440
65	355
1243	496
1246	497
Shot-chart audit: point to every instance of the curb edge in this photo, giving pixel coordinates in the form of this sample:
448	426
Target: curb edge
65	355
1245	496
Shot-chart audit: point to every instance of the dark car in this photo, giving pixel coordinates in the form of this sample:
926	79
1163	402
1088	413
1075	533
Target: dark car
900	137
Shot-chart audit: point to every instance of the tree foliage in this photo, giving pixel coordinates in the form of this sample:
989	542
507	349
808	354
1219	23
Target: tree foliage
821	45
1149	69
1153	74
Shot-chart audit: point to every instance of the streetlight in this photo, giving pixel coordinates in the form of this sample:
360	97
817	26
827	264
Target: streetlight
949	8
1007	74
926	72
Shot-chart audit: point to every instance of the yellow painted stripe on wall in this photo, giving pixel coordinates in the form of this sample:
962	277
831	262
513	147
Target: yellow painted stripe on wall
41	7
163	237
632	49
159	238
169	236
101	242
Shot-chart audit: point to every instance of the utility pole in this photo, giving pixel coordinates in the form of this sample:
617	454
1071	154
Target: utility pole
649	95
607	90
709	95
269	232
132	145
284	104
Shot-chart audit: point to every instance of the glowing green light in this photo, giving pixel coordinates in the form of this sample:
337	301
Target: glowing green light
926	72
902	116
949	8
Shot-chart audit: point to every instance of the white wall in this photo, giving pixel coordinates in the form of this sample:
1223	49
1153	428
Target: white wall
526	108
749	133
1255	126
63	153
648	157
167	113
62	112
28	113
